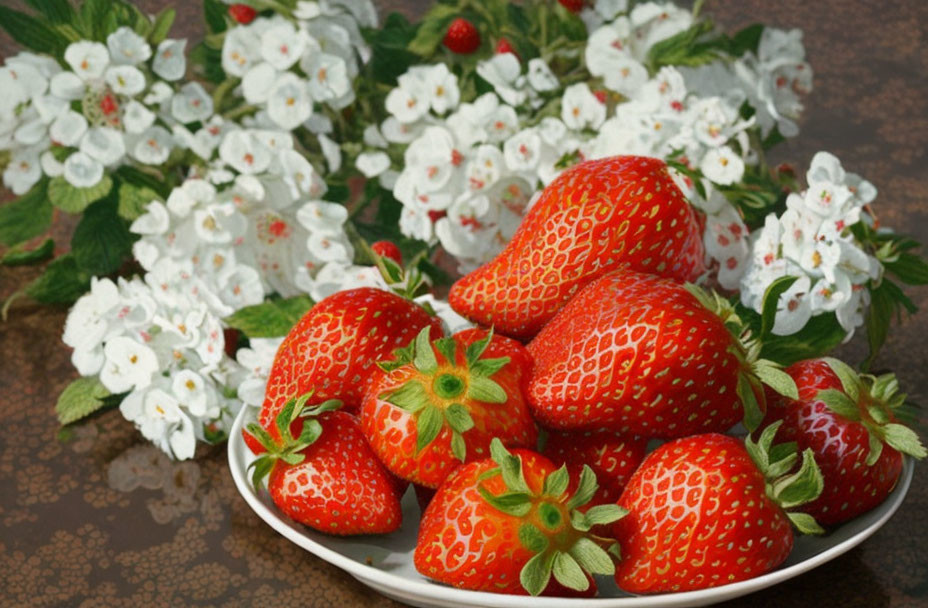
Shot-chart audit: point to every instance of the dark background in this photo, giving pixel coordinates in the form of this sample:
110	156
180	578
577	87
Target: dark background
103	519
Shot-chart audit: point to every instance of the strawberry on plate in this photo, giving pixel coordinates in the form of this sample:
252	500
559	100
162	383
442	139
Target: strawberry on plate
707	510
850	423
509	524
333	349
647	356
597	216
439	403
327	477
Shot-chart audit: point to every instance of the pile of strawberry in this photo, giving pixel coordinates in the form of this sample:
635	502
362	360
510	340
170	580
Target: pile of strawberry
526	443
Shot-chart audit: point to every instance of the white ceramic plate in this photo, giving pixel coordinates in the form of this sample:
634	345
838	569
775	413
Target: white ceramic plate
391	556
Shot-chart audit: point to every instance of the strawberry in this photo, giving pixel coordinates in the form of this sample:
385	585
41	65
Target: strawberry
462	37
504	46
850	423
647	356
505	524
388	249
707	510
440	403
327	477
242	13
574	6
334	347
613	457
595	217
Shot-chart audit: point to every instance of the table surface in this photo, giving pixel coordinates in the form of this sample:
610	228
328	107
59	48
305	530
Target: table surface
104	519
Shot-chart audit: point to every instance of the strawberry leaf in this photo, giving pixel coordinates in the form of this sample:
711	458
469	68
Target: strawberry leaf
586	488
849	380
263	437
262	466
839	403
876	448
475	349
605	514
556	482
536	573
448	349
488	367
904	439
459	418
428	425
411	397
805	523
772	375
753	415
568	572
510	467
517	504
486	390
802	487
591	557
532	538
458	446
424	359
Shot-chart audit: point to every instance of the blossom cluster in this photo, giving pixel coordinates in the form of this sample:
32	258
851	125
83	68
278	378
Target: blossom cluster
114	102
813	242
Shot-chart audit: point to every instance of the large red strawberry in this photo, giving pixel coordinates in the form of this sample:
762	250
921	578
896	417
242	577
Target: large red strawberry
612	456
647	356
850	424
327	477
440	403
596	216
510	525
333	349
707	510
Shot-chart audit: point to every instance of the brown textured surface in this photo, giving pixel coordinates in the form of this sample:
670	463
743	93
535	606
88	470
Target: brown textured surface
104	520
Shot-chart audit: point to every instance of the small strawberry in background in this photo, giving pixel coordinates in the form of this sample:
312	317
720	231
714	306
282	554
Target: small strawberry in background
326	477
441	402
242	13
851	424
707	510
574	6
642	355
462	37
509	524
388	249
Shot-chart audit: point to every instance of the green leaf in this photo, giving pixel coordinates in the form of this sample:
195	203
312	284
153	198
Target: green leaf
532	538
428	424
556	482
79	399
568	572
102	241
909	268
486	390
432	29
605	514
74	200
26	217
904	439
134	199
879	318
263	437
586	488
848	377
56	11
517	504
802	487
839	403
875	443
162	26
746	40
459	418
773	376
458	446
389	55
262	467
448	349
424	360
32	33
270	319
685	48
488	367
536	573
20	256
771	299
591	557
477	348
805	523
753	415
61	283
411	396
215	13
819	337
510	466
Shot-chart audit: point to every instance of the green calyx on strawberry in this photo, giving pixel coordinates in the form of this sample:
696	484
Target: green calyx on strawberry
875	402
288	449
449	384
555	530
788	490
407	281
755	372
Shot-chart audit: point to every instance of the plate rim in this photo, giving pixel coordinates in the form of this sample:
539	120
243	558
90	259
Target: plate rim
426	590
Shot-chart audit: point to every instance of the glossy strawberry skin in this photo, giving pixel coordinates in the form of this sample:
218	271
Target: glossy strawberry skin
612	456
242	13
388	249
462	37
340	487
466	543
597	216
333	349
840	446
392	431
639	355
698	517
